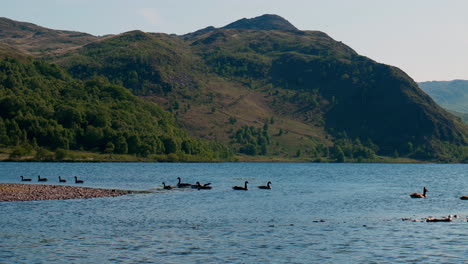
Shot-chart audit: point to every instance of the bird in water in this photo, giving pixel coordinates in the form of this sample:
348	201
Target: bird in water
41	179
464	197
166	187
25	179
183	184
241	188
62	180
265	186
419	195
78	181
204	186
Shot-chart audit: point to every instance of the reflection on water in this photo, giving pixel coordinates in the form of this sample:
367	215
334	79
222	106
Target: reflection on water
315	213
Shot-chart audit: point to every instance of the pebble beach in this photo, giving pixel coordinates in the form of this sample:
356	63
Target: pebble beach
10	192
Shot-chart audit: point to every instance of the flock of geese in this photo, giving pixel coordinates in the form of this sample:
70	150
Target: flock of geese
40	179
207	186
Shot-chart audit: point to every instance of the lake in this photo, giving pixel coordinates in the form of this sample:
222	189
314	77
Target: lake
314	213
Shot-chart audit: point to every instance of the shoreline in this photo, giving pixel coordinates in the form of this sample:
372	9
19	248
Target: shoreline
12	192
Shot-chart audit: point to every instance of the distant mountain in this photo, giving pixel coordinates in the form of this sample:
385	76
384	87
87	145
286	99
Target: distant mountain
264	89
452	95
463	116
40	41
264	22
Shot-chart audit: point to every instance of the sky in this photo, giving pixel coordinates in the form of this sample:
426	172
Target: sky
428	39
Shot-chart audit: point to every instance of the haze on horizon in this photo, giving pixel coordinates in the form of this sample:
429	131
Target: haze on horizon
425	38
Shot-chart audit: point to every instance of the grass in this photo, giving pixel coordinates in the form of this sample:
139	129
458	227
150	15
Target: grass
84	156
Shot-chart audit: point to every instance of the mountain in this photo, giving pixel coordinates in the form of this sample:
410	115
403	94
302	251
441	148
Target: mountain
452	95
42	108
264	89
40	41
264	22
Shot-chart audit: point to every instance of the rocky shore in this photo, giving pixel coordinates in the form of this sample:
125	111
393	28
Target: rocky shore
33	192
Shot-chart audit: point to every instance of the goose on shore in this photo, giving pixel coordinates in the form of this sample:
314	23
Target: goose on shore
78	181
166	187
265	186
41	179
419	195
62	180
25	179
241	188
183	184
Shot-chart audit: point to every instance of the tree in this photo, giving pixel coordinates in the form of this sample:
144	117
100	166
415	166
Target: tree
110	147
170	146
339	154
232	120
249	149
121	146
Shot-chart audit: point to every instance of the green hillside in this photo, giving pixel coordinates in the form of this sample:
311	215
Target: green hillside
43	109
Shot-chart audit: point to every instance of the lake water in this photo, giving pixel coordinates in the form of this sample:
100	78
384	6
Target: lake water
362	206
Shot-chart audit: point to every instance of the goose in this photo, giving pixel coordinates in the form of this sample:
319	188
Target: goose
25	179
241	188
183	184
419	195
62	180
204	186
41	179
78	181
265	186
464	197
166	187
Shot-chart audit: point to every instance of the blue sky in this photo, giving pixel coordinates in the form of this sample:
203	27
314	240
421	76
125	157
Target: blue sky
428	39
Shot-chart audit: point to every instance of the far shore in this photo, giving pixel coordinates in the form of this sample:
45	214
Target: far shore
10	192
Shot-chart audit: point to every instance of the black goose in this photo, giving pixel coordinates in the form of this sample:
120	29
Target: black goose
78	181
62	180
199	186
464	198
241	188
25	179
183	184
204	186
41	179
265	186
166	187
419	195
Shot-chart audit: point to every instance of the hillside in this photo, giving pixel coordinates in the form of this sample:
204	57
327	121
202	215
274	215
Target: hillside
451	95
264	88
40	41
43	109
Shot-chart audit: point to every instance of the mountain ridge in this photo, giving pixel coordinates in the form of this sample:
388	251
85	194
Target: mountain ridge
41	41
